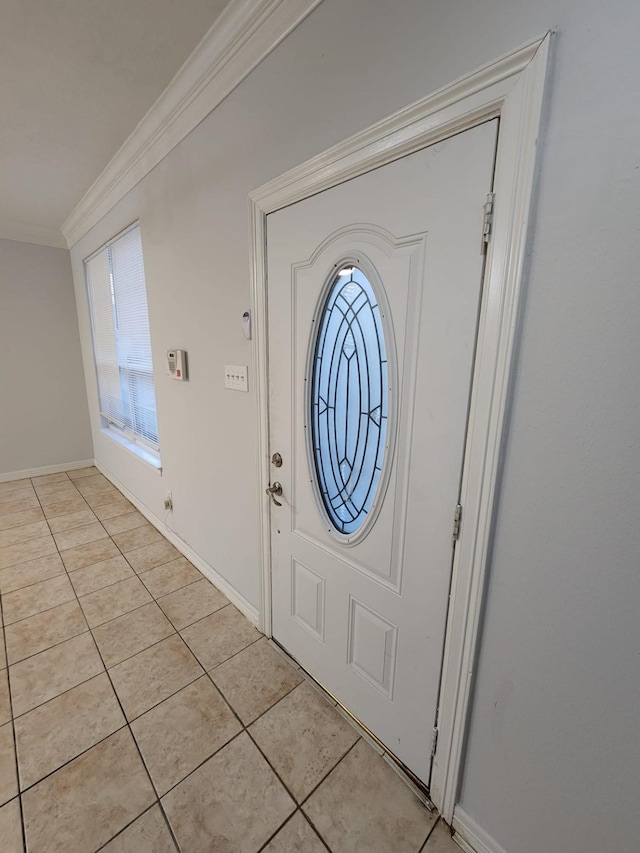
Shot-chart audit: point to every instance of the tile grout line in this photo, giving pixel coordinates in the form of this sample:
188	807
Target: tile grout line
127	724
184	627
90	629
21	562
282	826
307	797
124	555
37	612
80	683
126	719
86	631
315	788
432	829
235	654
154	600
13	718
124	828
273	769
79	544
28	538
113	583
12	722
299	803
246	728
52	646
204	760
312	824
155	705
27	585
243	727
21	523
299	811
100	588
69	760
59	552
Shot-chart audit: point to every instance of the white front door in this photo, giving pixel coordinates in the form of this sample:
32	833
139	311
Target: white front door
374	289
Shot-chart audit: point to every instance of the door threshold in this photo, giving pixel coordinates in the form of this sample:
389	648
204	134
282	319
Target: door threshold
408	777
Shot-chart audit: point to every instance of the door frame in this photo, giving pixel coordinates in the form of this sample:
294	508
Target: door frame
511	89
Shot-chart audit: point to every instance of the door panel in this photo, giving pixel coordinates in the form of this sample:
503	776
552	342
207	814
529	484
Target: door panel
365	612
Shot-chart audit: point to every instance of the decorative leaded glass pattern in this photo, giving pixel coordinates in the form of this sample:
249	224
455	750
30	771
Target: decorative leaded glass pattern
349	400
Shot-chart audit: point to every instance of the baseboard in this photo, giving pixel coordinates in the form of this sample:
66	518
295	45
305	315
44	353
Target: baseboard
236	598
47	469
471	836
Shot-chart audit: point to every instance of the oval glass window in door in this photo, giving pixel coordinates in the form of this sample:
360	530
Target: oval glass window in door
349	400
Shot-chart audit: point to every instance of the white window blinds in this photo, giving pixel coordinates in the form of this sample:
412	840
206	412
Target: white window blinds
121	339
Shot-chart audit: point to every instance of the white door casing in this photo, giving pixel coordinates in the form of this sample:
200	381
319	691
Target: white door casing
510	88
365	613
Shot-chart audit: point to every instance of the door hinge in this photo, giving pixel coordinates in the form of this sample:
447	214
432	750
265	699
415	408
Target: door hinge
487	221
457	520
434	742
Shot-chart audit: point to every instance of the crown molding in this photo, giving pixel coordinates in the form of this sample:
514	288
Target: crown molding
38	234
244	34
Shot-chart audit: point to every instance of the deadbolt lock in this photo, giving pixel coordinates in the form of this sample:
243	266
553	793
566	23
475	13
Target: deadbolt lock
276	460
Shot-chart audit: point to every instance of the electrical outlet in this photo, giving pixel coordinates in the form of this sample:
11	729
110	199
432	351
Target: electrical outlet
168	501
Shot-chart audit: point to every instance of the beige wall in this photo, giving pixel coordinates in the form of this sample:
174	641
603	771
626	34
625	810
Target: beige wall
44	418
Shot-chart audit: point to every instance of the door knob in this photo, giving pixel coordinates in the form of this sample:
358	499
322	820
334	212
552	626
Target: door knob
273	490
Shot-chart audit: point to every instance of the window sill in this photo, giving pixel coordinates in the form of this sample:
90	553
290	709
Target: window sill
142	453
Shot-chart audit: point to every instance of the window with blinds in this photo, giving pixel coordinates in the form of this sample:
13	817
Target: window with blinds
121	339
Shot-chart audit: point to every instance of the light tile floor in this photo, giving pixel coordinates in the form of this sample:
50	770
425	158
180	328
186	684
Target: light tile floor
141	713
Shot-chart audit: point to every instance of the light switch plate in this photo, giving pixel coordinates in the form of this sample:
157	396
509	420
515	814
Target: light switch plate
235	377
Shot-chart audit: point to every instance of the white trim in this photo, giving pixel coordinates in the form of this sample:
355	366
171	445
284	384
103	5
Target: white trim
243	35
258	291
143	454
47	469
107	243
468	101
471	836
513	185
236	598
38	234
510	88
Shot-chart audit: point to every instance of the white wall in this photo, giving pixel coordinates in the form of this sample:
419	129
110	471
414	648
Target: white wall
43	401
553	753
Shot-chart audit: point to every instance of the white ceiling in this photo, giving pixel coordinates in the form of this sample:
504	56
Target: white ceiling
76	76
